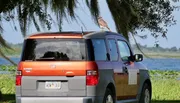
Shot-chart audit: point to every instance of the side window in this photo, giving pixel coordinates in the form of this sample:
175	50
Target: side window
100	52
113	50
124	50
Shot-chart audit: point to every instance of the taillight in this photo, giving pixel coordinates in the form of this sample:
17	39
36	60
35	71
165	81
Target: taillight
92	78
18	78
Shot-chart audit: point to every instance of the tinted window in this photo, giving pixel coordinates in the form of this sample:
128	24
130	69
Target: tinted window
99	48
54	49
113	50
124	50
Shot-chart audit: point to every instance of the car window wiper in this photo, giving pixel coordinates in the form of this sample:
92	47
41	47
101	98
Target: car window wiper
47	58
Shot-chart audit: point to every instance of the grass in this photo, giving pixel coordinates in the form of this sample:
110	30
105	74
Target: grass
159	53
163	55
7	85
7	68
167	89
165	86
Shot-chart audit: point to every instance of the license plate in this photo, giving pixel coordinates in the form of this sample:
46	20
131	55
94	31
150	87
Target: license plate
53	85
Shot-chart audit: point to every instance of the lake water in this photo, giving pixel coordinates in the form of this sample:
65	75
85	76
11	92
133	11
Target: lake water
152	64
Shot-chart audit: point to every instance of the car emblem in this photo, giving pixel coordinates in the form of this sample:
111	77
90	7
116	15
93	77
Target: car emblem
53	66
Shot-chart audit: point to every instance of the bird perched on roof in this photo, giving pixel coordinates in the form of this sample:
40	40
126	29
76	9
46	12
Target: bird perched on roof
103	24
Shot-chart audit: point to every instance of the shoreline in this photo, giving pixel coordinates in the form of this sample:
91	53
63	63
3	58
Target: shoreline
154	55
16	56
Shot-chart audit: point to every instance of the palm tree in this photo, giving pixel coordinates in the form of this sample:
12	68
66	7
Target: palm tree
128	15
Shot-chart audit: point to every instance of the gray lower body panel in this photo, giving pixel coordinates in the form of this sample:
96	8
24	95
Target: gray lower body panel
59	99
34	86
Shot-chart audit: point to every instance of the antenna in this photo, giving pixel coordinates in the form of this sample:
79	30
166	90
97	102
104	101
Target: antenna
82	30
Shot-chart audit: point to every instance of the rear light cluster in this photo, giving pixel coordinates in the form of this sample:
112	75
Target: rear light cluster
92	78
18	77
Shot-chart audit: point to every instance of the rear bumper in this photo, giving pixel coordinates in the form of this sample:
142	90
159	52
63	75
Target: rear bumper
58	100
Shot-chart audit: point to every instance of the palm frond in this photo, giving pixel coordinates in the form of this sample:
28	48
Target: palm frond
3	43
1	28
45	3
122	13
71	7
22	16
36	24
2	54
138	47
94	9
59	7
88	3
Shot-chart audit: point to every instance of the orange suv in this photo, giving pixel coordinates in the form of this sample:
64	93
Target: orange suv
81	67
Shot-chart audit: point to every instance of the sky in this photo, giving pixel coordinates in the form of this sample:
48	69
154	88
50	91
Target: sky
173	35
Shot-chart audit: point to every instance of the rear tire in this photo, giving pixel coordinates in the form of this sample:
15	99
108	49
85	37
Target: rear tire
109	97
145	94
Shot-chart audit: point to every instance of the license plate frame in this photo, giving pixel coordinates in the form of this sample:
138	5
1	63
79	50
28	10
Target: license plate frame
53	85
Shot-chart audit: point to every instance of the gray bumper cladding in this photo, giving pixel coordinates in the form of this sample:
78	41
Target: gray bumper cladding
54	100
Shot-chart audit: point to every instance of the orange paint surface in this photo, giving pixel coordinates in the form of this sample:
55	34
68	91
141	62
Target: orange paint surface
57	35
57	68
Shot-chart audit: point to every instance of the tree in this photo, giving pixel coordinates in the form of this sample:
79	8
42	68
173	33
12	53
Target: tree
174	49
128	15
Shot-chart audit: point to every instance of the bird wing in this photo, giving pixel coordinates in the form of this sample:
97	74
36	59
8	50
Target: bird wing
103	23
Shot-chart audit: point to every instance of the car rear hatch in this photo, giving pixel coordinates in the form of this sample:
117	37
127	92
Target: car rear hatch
53	67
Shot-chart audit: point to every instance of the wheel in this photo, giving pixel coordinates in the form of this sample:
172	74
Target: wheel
145	94
109	97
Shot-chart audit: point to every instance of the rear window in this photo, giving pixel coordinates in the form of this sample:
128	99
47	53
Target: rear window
54	49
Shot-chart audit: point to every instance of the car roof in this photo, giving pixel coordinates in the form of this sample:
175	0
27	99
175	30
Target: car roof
73	34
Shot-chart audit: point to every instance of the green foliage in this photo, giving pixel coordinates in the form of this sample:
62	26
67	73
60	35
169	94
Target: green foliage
10	68
7	87
167	74
157	52
165	89
155	49
165	85
7	84
129	15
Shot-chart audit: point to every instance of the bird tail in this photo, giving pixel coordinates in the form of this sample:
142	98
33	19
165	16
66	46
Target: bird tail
108	28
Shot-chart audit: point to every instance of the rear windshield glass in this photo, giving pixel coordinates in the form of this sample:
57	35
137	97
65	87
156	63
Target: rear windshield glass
54	49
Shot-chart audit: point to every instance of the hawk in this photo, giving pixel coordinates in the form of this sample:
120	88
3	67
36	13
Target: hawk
103	24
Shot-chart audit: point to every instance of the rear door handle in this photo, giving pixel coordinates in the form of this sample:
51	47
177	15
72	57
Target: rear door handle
70	74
